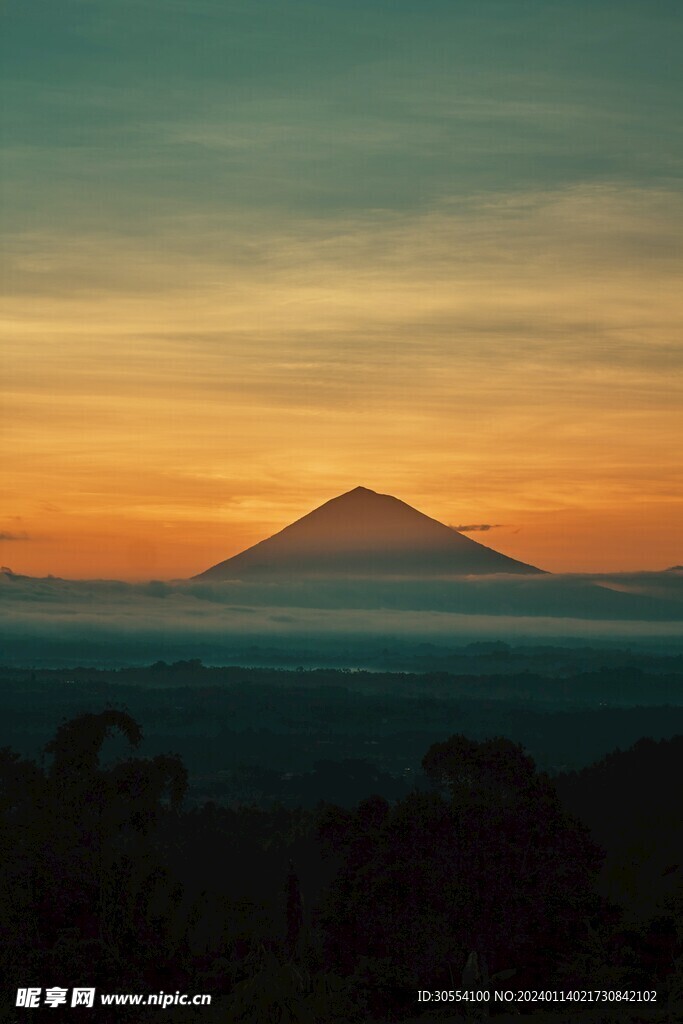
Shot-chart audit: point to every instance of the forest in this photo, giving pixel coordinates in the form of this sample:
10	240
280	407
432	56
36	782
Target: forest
471	864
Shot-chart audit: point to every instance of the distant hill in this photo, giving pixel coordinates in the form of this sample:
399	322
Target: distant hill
363	533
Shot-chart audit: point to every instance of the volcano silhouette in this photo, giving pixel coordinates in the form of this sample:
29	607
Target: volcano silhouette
362	533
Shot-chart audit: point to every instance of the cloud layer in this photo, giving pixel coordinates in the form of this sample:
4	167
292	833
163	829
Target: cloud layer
49	620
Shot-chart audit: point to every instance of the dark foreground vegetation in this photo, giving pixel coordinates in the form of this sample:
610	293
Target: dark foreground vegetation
316	845
491	875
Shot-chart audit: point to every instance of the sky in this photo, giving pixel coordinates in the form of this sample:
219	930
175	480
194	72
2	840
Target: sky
257	254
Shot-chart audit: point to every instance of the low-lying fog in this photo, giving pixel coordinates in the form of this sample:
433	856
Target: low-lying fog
51	619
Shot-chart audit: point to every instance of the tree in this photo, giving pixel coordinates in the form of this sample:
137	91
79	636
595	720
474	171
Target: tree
527	866
486	863
92	863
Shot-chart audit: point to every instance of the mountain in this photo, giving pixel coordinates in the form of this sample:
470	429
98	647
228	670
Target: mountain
362	533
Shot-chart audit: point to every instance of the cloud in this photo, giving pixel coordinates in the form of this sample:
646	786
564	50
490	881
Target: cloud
538	333
52	621
13	536
477	527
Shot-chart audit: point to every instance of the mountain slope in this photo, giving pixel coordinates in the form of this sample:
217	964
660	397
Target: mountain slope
362	533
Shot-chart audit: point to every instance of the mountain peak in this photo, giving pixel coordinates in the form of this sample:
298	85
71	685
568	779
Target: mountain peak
359	492
365	533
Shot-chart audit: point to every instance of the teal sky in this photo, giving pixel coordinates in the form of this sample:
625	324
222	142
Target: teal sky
258	253
118	113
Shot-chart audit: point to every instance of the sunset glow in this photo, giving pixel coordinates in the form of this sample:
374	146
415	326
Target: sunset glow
399	262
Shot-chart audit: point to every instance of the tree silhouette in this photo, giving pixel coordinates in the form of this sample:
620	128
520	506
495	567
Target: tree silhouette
529	866
89	845
294	911
497	869
77	744
105	879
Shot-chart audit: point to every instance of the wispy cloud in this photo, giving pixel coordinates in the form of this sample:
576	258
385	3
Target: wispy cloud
477	527
254	256
279	362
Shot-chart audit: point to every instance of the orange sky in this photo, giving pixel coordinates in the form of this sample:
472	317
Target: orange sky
443	360
256	256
